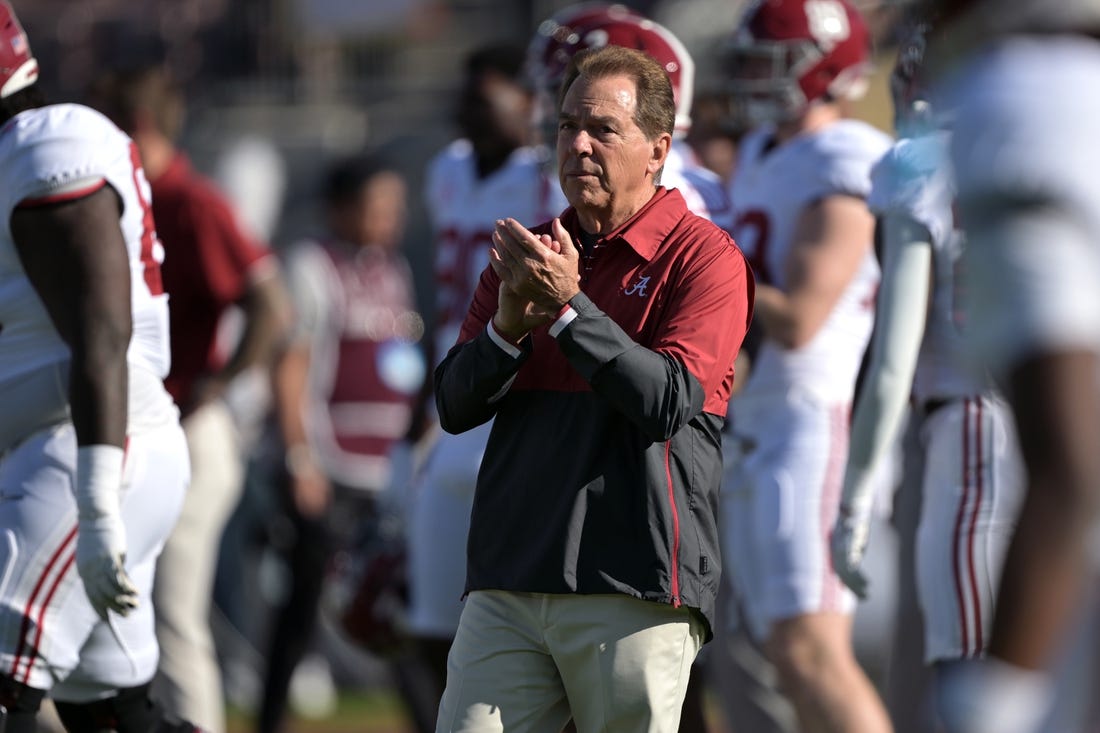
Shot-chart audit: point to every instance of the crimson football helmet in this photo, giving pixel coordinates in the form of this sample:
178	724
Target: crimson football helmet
366	595
594	25
18	69
789	53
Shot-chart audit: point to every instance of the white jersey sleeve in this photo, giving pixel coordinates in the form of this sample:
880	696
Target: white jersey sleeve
838	160
914	180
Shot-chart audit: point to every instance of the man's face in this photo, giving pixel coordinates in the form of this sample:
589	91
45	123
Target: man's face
376	215
604	158
496	112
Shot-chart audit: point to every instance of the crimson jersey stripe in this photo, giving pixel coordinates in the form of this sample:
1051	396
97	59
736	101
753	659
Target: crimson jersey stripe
975	597
42	616
959	518
25	626
674	563
153	279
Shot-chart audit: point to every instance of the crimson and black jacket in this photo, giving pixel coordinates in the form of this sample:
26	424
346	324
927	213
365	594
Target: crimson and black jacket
603	466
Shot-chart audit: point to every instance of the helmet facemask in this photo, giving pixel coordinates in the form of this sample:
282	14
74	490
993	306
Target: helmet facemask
763	78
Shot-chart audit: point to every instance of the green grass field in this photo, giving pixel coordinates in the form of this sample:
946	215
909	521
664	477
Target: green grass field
371	712
375	712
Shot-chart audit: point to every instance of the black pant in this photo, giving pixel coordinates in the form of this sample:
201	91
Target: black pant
308	545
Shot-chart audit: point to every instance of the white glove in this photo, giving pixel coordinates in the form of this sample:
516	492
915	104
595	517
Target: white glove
848	543
101	536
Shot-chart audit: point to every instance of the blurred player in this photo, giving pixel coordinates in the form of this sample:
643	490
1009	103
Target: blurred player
1026	158
214	269
591	25
344	385
800	214
488	173
972	484
93	462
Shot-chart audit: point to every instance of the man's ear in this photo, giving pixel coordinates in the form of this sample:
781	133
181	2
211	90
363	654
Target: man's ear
659	153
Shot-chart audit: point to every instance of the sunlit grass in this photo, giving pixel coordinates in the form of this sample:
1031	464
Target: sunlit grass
377	711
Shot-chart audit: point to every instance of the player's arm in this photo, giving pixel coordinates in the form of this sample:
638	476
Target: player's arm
262	297
75	256
831	238
266	318
309	488
900	315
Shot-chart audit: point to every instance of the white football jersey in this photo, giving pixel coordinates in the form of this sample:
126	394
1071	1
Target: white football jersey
769	191
702	189
464	209
915	180
63	151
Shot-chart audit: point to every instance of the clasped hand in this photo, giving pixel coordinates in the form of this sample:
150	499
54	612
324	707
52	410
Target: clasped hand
538	274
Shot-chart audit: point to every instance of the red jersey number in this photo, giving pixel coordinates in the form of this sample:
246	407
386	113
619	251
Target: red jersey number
460	259
148	229
752	234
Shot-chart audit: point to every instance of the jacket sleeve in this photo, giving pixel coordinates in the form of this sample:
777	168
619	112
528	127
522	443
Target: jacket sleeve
665	384
479	369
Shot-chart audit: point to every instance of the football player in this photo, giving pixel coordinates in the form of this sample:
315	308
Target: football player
800	212
1025	157
973	481
93	462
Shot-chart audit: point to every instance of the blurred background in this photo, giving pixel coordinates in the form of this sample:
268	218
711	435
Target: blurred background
277	88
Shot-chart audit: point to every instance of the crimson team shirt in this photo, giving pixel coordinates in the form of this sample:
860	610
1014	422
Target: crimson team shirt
207	269
355	308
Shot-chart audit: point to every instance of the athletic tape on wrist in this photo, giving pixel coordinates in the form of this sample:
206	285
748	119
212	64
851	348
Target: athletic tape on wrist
98	480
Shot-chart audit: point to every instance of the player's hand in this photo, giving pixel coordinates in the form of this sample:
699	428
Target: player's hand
100	534
100	560
848	544
312	494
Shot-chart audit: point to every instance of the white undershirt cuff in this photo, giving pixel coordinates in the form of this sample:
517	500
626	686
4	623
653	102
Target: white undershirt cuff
565	317
508	347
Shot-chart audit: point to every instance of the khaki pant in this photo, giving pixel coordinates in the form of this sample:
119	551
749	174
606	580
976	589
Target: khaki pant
526	662
188	682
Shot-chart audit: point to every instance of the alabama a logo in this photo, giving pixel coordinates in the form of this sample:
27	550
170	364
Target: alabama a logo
639	287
